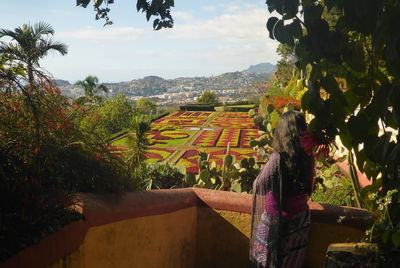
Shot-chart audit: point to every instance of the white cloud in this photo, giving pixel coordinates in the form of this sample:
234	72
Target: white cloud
182	16
245	26
108	33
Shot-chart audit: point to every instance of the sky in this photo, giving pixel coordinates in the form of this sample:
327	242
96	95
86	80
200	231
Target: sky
209	37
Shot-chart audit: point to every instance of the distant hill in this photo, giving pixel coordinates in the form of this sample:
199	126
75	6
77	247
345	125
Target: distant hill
62	83
261	68
154	85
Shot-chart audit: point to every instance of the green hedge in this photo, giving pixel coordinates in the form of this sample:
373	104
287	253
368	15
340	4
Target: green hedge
197	107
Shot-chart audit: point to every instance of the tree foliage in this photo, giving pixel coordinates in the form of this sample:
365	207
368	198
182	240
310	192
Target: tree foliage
30	44
285	67
208	97
91	86
356	41
160	9
107	118
146	106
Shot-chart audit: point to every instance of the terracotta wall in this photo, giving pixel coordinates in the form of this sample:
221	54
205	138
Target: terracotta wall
175	228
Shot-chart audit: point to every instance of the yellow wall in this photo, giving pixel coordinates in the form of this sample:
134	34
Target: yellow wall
155	241
322	234
222	238
191	237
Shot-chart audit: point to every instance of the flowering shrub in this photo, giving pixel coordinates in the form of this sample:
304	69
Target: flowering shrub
45	158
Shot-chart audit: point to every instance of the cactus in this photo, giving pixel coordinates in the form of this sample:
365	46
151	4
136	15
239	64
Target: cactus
190	179
244	163
234	176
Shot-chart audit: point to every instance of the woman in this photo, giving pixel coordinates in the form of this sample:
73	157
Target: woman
281	218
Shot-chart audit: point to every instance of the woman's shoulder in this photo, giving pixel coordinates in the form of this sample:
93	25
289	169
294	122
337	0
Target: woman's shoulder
274	157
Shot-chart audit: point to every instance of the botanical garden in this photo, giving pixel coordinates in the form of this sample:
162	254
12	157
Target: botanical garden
86	182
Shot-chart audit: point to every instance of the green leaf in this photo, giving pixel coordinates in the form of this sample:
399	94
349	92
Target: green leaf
170	3
313	12
385	236
271	25
381	147
396	239
283	33
82	3
394	156
98	3
236	187
140	4
190	179
297	30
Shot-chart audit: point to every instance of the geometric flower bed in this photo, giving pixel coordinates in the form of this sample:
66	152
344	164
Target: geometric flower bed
207	138
246	135
167	138
190	157
233	114
191	114
156	154
166	135
180	122
229	136
233	122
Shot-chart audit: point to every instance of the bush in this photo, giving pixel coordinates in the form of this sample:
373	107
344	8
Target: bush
159	176
336	191
45	159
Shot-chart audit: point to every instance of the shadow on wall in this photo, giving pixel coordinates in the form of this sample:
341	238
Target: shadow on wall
219	243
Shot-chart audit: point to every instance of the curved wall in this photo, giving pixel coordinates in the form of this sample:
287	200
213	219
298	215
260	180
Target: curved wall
176	228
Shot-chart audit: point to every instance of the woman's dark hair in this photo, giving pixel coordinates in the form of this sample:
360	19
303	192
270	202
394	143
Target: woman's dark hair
297	166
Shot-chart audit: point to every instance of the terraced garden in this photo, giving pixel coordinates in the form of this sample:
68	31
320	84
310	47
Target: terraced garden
179	137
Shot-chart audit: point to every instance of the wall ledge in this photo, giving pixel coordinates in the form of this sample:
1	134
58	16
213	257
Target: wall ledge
101	210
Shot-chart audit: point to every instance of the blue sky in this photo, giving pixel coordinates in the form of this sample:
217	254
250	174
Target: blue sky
209	38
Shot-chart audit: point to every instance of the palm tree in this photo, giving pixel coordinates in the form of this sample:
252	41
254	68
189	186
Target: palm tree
90	86
31	44
137	142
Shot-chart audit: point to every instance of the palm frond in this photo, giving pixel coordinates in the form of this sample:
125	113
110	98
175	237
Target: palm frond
45	46
102	88
42	28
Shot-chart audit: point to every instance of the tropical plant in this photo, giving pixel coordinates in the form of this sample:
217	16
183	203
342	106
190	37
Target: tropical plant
159	175
137	142
208	97
237	177
30	44
91	86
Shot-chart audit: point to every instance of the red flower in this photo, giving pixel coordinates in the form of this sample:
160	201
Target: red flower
307	142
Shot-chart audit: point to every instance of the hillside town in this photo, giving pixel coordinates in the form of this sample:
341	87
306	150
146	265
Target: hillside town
183	90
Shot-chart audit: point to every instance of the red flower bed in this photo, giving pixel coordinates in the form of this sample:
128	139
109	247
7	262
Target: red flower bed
233	122
180	122
233	114
229	136
166	135
246	136
208	138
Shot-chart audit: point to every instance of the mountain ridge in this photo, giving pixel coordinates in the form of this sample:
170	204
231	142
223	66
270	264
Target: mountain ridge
154	85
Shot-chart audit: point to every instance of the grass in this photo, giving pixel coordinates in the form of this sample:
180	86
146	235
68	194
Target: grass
120	142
